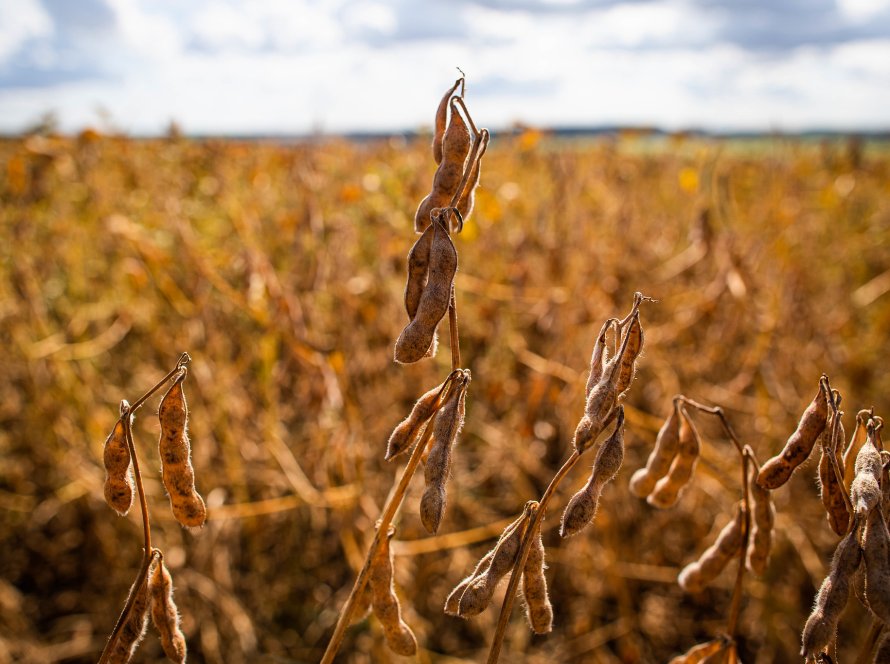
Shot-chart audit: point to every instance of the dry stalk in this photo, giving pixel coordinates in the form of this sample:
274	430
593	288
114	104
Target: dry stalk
452	196
149	554
582	443
383	523
747	459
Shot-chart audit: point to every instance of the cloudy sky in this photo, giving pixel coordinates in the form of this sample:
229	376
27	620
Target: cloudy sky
295	66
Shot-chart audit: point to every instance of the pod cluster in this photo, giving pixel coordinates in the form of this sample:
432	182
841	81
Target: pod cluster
609	378
474	594
671	464
174	449
608	381
437	470
581	509
432	261
861	561
152	592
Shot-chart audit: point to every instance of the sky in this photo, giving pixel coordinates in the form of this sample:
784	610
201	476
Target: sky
331	66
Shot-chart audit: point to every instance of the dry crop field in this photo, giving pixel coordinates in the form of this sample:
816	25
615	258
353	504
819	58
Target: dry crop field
280	269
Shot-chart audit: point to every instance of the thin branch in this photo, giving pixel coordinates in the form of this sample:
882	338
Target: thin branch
506	608
717	411
127	419
386	518
184	359
452	328
736	604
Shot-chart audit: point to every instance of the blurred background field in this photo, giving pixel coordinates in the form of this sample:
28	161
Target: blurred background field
280	269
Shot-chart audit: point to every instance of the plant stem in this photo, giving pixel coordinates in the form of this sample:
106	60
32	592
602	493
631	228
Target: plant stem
527	540
148	554
184	359
736	603
452	327
747	457
127	418
386	518
718	411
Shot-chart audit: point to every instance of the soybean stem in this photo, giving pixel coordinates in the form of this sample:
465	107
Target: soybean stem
386	518
147	553
527	540
143	504
452	327
184	359
718	411
736	604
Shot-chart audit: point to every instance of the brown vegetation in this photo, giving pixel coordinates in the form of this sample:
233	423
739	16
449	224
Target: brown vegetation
281	269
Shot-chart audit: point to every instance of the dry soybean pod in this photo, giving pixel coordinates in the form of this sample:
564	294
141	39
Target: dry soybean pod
164	613
538	608
442	120
135	624
416	339
362	605
775	472
865	491
438	464
406	431
630	354
832	491
599	409
855	444
478	593
452	603
700	652
832	596
455	148
385	603
175	451
764	514
599	356
642	482
875	552
581	509
695	576
418	271
468	197
667	489
118	466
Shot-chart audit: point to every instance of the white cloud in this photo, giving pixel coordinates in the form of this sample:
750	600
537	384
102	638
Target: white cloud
272	66
859	10
21	20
